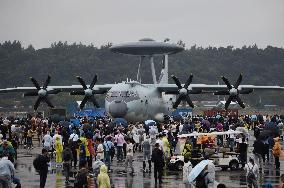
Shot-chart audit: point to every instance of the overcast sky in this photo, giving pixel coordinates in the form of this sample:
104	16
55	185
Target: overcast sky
200	22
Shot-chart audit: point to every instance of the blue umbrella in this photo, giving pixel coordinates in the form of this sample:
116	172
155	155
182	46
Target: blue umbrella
197	170
121	121
150	122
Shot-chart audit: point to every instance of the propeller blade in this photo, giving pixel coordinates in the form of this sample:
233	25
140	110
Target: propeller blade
98	92
82	82
37	103
96	104
32	93
177	82
189	102
246	91
47	101
177	102
240	102
188	82
46	82
95	79
228	102
238	82
227	82
221	93
35	83
77	93
84	101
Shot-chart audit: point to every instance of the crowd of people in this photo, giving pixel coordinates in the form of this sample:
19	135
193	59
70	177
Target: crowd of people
96	141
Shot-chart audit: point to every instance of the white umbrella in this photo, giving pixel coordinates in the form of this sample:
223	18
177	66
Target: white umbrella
197	170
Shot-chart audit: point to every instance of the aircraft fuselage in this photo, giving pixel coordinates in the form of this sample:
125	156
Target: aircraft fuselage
136	102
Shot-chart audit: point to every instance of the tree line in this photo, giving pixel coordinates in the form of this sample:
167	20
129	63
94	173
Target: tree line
64	61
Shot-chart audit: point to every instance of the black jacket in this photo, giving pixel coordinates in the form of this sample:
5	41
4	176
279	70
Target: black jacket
258	147
158	157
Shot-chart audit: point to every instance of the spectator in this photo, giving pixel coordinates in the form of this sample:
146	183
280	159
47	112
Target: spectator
58	149
7	171
108	147
158	160
203	179
129	156
74	146
119	139
44	160
146	145
243	147
276	152
252	172
100	150
81	180
47	141
67	162
103	180
6	149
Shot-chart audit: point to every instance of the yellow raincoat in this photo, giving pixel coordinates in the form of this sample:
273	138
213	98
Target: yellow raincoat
166	147
58	150
85	142
103	180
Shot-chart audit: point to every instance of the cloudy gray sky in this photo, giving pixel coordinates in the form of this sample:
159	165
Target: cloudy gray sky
201	22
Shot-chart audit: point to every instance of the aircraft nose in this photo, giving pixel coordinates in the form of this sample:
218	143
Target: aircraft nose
118	109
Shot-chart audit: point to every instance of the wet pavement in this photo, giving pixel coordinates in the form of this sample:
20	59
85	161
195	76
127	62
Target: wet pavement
171	179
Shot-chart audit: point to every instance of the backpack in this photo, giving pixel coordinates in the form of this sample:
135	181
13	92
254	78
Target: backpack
37	163
200	181
251	175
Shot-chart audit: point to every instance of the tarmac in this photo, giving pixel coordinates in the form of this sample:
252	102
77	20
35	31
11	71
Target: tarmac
171	179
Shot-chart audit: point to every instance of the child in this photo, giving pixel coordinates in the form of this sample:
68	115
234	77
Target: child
129	156
103	180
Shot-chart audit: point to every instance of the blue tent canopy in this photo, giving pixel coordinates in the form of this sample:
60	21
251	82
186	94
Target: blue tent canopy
98	112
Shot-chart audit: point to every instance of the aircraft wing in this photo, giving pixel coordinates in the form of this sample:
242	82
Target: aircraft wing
100	88
205	88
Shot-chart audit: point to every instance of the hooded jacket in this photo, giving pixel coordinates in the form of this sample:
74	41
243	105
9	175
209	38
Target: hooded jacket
103	180
277	148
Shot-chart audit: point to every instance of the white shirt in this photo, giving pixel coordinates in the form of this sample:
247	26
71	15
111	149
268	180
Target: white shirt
47	140
100	148
254	168
129	149
13	128
74	137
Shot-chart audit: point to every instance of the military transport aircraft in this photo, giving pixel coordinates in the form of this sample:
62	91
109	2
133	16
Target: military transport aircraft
135	101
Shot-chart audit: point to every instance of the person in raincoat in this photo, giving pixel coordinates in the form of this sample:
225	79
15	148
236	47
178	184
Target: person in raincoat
58	150
187	151
277	152
103	180
166	147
